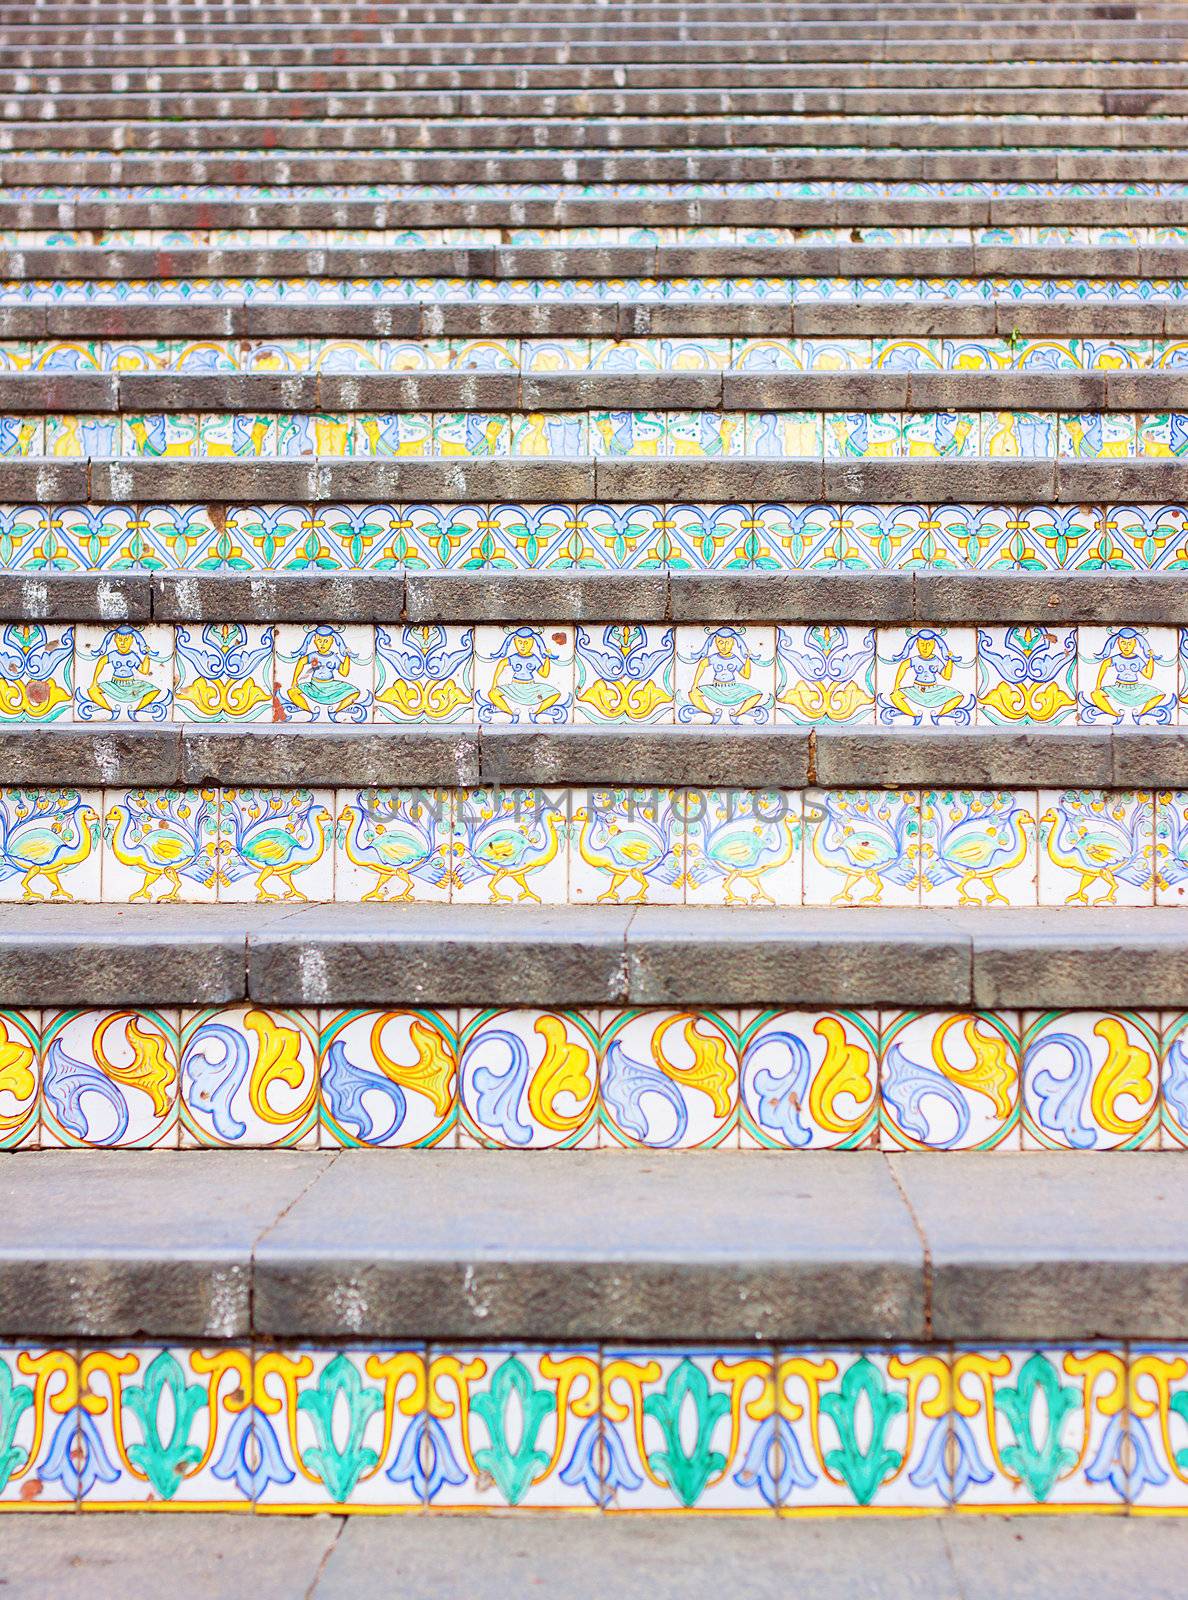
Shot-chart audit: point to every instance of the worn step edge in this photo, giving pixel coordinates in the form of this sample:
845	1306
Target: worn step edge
594	1245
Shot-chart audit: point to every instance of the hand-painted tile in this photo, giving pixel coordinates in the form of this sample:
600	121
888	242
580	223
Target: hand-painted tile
109	1079
934	434
1027	674
1091	1080
825	673
550	433
50	844
1097	435
864	840
510	846
669	1080
1096	839
724	674
20	1078
324	673
707	434
1171	847
249	1077
1036	1427
514	1426
161	845
977	847
627	433
123	673
627	847
523	674
742	847
926	676
223	672
388	1078
45	1465
159	1426
691	1430
1019	433
868	435
809	1080
36	671
529	1079
783	433
624	673
1157	1429
270	837
1162	434
1127	675
949	1080
394	844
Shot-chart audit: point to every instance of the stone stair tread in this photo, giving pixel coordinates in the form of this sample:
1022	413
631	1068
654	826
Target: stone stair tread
596	1245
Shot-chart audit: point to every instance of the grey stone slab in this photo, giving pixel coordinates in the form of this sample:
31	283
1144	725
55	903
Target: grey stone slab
278	597
592	1245
82	756
651	391
815	391
549	596
984	481
701	481
1067	1558
1071	956
877	757
371	755
790	596
38	481
1007	391
1150	758
26	393
1106	597
747	956
123	1243
418	391
75	597
442	955
55	955
1120	482
1048	1245
649	756
216	391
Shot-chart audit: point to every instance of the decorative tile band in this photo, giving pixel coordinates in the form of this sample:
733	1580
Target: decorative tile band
549	674
689	189
794	354
251	1077
615	537
711	435
617	846
533	291
793	1431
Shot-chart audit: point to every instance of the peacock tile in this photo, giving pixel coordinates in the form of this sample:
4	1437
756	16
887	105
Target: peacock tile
978	847
36	671
223	672
524	673
864	1428
1035	1427
514	1425
627	847
861	847
926	677
388	1078
808	1079
394	844
50	844
249	1077
511	846
949	1080
46	1465
1027	674
20	1078
783	433
162	1428
529	1079
338	1429
742	846
725	673
669	1079
1127	675
324	672
268	838
1157	1428
123	673
1090	1079
623	673
109	1079
691	1430
1171	847
825	673
161	845
1096	839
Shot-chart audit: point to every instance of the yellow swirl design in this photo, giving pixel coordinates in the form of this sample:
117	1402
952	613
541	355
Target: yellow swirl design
1127	1071
565	1069
712	1071
16	1077
846	1070
151	1070
278	1057
992	1073
431	1074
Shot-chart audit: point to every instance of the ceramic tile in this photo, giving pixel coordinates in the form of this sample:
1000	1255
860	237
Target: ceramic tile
978	847
46	1464
529	1079
624	673
628	847
50	844
223	672
1157	1480
271	838
861	847
669	1080
388	1078
249	1077
394	844
1127	675
1091	1079
161	845
123	673
523	674
742	847
324	673
36	671
808	1080
1090	839
725	674
949	1080
1027	674
511	846
1171	847
825	673
926	677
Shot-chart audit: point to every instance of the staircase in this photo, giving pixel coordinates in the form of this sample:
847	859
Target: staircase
593	709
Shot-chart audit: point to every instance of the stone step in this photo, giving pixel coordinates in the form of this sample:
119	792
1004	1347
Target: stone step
561	957
593	1246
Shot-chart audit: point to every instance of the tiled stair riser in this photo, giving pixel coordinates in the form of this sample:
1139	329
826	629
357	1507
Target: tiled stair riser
613	537
604	845
247	1077
416	1428
548	674
758	189
712	435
